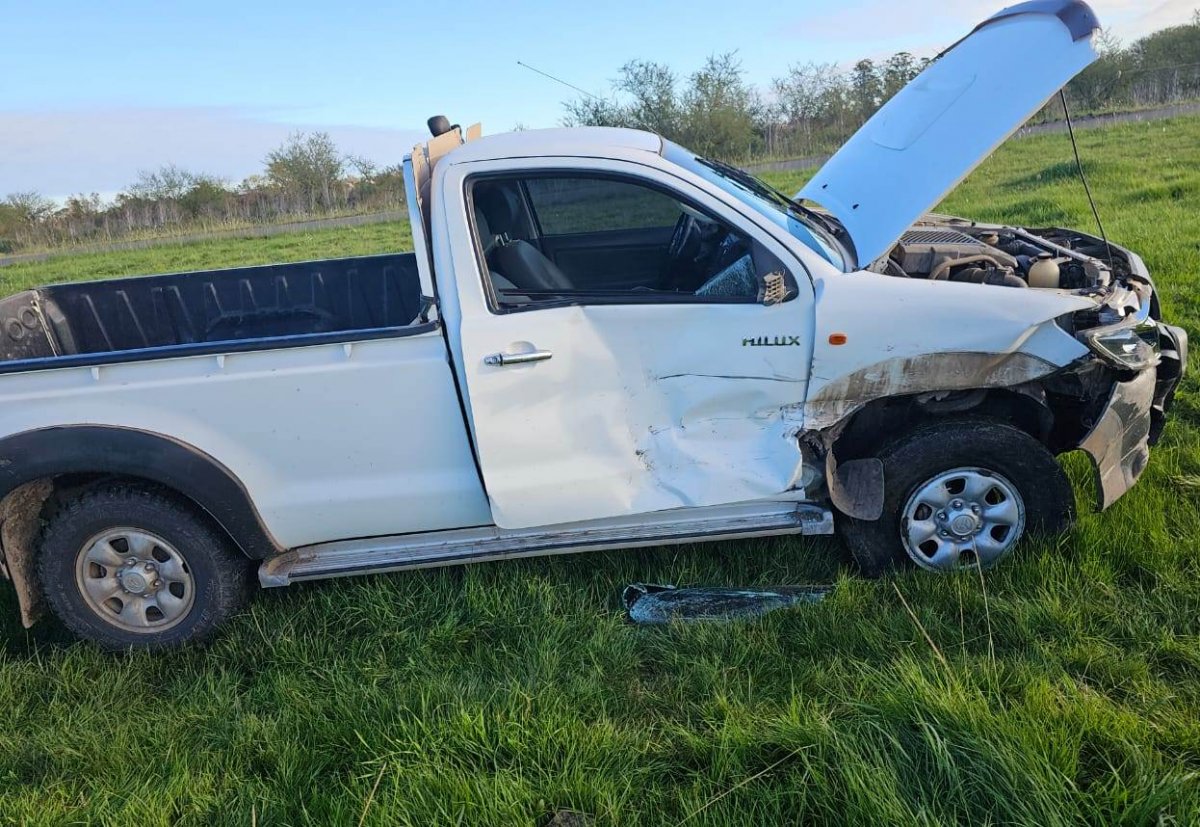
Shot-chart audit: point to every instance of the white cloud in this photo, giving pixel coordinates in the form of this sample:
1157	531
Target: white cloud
1143	20
59	152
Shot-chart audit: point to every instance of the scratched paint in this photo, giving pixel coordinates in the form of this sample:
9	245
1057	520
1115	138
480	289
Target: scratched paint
908	336
641	408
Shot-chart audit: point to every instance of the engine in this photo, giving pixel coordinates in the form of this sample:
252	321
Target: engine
1001	256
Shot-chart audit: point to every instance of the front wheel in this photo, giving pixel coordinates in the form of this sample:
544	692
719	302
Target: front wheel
960	494
129	566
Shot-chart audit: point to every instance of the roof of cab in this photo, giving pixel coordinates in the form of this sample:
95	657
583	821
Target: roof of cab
584	141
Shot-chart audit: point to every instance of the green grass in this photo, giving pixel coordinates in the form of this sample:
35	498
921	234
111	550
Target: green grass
1064	688
220	252
185	231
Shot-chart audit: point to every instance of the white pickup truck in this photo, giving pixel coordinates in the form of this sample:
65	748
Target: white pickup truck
600	341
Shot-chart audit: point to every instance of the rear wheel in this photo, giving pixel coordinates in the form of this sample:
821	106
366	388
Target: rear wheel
958	494
130	566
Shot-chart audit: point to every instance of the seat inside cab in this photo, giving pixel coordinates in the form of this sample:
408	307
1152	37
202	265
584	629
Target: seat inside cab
572	238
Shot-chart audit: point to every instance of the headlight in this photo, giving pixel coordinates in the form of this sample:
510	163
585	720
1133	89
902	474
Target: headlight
1130	346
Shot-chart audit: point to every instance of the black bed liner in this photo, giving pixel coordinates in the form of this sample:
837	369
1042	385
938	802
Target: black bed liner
194	311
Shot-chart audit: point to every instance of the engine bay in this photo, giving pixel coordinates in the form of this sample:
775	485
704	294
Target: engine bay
1005	256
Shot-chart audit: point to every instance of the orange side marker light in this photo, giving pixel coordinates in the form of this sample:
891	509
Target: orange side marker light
837	338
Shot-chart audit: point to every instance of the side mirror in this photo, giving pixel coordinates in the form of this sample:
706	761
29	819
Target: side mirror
777	287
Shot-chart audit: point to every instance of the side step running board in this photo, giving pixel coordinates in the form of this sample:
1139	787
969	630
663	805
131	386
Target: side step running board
471	545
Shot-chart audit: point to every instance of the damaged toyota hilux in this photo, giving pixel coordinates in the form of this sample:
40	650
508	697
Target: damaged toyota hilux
600	341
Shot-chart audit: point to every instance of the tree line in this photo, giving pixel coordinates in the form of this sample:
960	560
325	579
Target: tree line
814	107
306	176
809	111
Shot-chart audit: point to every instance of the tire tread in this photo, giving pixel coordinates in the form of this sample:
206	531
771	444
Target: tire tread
939	445
229	588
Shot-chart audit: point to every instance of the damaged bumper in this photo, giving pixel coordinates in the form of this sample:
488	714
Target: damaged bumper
1133	418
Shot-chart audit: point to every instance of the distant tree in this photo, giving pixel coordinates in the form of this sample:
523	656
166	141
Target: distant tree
1108	42
373	185
811	100
898	70
83	207
307	167
29	207
1100	83
593	112
1164	66
866	89
11	224
719	112
803	93
206	198
167	182
363	167
653	104
171	194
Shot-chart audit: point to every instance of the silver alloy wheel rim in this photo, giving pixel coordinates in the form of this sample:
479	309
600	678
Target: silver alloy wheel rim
135	580
962	518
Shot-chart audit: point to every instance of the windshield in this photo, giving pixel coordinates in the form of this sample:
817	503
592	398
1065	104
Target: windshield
814	230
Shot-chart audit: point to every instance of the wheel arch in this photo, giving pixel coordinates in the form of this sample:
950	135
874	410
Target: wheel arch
35	465
854	476
865	430
100	450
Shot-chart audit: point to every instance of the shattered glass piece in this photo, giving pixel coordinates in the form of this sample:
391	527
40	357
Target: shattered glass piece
655	604
738	279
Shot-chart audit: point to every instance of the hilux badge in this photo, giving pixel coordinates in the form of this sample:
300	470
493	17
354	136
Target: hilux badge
772	341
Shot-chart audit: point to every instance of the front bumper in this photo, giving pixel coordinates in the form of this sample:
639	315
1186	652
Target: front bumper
1133	419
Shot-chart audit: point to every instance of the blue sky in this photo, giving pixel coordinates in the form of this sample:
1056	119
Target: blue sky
93	92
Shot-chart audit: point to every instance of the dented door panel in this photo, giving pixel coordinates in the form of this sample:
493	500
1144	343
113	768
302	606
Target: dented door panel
639	407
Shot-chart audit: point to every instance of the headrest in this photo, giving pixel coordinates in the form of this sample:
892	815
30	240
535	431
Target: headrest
486	237
499	205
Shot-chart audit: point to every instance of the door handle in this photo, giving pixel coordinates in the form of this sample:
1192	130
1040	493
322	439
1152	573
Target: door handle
502	359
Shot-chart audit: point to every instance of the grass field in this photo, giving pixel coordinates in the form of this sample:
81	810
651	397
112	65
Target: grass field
1063	688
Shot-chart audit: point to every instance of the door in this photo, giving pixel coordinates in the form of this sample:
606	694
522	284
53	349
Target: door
627	383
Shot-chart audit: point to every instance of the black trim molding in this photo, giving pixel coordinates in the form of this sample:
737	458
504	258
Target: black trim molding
98	449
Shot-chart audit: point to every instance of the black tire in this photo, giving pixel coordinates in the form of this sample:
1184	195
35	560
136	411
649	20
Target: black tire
920	455
215	581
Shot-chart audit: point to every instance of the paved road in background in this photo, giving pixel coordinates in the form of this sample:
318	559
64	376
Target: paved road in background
396	215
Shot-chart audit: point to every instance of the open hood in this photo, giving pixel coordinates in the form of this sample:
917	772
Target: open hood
944	123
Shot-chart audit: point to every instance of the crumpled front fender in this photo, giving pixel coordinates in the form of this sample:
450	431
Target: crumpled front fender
1119	444
1132	420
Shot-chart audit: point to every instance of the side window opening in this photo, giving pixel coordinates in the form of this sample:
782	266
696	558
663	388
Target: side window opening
583	239
568	206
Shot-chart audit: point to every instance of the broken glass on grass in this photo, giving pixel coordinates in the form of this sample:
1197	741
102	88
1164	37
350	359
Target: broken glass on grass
649	604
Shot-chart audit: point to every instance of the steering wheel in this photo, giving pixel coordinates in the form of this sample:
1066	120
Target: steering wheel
693	242
685	239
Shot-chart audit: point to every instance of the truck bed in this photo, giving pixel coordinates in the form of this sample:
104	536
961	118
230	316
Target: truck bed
241	308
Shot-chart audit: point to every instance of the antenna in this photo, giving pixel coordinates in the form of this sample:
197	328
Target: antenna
558	80
1062	94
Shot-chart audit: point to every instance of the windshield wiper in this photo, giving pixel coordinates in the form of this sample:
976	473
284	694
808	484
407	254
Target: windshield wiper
750	182
747	180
